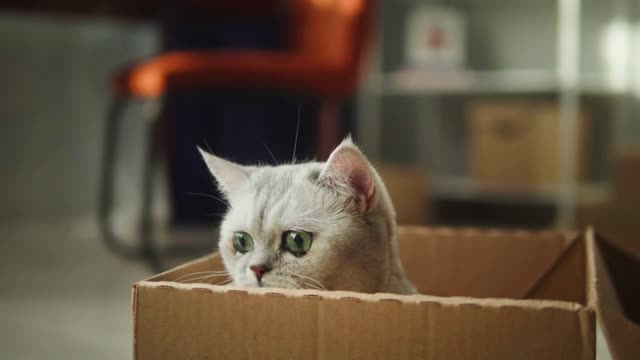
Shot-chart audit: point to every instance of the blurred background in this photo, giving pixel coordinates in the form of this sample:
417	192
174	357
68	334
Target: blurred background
487	113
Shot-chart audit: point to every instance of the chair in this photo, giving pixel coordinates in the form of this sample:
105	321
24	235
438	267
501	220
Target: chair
327	43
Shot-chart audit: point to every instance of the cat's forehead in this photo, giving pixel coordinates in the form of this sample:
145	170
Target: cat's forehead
269	185
278	196
290	174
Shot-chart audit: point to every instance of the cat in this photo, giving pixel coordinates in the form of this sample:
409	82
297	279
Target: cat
328	226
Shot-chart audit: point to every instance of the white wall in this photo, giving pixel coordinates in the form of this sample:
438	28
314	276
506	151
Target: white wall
54	91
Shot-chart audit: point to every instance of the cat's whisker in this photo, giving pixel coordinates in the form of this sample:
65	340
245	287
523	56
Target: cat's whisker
211	275
312	279
215	214
311	287
319	284
193	273
224	282
191	280
207	145
295	142
203	277
202	272
271	154
209	196
200	280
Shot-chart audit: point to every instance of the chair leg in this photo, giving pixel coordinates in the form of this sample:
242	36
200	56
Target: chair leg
148	249
145	249
107	181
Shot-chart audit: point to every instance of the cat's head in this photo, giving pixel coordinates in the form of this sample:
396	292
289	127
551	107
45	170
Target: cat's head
326	225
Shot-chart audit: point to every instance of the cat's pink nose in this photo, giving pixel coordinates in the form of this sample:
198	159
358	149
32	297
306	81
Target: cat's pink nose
259	270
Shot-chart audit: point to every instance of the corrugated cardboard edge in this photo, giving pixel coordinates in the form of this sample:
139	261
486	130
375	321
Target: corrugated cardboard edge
583	244
134	317
362	297
588	324
148	291
465	231
591	271
623	335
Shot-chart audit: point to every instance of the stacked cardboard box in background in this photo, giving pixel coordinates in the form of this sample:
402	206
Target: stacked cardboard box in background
618	221
626	177
409	190
619	217
517	143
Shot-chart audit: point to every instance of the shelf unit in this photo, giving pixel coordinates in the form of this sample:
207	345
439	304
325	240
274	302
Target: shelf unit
420	83
565	81
464	188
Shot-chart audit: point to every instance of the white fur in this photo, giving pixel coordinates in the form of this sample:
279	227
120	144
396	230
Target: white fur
342	202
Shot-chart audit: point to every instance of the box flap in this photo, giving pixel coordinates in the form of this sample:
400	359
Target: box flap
618	287
564	280
491	263
474	263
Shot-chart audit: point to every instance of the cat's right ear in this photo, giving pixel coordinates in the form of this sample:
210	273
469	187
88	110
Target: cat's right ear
229	176
348	171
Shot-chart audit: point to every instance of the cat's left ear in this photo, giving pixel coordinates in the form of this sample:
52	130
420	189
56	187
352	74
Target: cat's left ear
230	176
349	172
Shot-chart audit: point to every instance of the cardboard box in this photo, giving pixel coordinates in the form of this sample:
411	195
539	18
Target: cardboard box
518	143
626	177
615	221
618	265
408	188
493	295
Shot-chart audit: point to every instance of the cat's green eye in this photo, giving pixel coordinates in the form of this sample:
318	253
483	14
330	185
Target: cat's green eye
242	242
297	242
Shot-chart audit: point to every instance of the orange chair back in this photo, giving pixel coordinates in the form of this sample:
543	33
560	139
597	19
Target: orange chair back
334	32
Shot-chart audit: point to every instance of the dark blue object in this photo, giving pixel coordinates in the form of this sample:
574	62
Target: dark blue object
238	127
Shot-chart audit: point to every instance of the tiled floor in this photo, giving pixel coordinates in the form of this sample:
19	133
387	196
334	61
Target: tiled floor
64	296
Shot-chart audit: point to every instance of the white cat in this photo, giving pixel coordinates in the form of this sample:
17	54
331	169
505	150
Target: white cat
310	225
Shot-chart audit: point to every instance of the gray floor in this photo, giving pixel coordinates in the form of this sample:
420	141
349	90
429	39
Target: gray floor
64	296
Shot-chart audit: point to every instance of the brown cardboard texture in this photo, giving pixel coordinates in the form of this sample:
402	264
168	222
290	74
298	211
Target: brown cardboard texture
517	143
626	176
492	295
615	221
618	267
408	188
